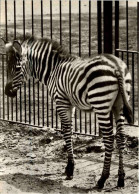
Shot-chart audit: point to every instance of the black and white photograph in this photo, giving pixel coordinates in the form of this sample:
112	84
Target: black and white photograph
69	96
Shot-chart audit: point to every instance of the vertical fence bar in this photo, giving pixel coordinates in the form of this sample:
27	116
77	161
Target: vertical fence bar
6	34
34	109
51	34
6	27
95	121
0	91
80	54
14	19
116	27
32	10
47	109
29	103
56	119
51	25
29	100
133	92
20	104
24	19
41	18
60	16
85	123
38	86
138	55
76	121
99	29
12	109
90	121
42	84
127	32
89	28
90	118
47	105
52	124
70	26
6	20
60	25
79	28
15	38
25	113
3	86
34	115
42	104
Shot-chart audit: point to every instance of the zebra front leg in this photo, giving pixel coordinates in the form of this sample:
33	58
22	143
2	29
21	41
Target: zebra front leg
108	139
65	116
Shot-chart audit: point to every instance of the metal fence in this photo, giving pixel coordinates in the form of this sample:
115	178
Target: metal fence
77	25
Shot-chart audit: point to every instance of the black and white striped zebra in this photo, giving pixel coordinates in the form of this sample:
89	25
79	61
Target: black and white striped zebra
101	84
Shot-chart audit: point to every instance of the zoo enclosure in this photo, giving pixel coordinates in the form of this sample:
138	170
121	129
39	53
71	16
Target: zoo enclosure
32	104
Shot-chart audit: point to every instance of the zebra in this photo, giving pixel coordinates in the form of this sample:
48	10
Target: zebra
100	84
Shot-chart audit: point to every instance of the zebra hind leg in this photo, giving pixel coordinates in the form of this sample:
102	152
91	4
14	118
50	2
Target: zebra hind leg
65	116
108	139
120	140
69	170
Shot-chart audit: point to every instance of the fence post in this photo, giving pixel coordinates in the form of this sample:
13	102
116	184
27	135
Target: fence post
99	29
107	5
107	26
116	27
138	54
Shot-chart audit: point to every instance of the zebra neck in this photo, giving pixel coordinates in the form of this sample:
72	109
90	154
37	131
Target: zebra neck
42	58
42	67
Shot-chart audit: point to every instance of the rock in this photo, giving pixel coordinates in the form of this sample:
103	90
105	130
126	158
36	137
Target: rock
132	142
45	140
31	155
95	148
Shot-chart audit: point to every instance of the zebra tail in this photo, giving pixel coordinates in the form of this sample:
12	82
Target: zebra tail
128	114
127	111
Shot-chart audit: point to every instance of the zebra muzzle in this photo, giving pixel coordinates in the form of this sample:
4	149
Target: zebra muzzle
9	90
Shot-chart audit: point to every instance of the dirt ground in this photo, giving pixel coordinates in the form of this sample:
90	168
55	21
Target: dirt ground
33	161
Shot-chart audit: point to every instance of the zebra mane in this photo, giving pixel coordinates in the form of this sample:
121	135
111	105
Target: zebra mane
56	47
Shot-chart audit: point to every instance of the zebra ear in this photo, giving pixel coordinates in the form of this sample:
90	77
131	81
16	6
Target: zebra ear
17	47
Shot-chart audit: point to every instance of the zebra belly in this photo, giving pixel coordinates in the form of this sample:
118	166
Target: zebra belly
85	106
79	98
102	99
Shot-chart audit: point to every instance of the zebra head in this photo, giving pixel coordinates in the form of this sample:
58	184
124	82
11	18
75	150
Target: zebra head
14	72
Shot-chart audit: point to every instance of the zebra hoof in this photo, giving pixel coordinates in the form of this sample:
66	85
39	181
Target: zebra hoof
120	183
69	178
100	183
69	170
